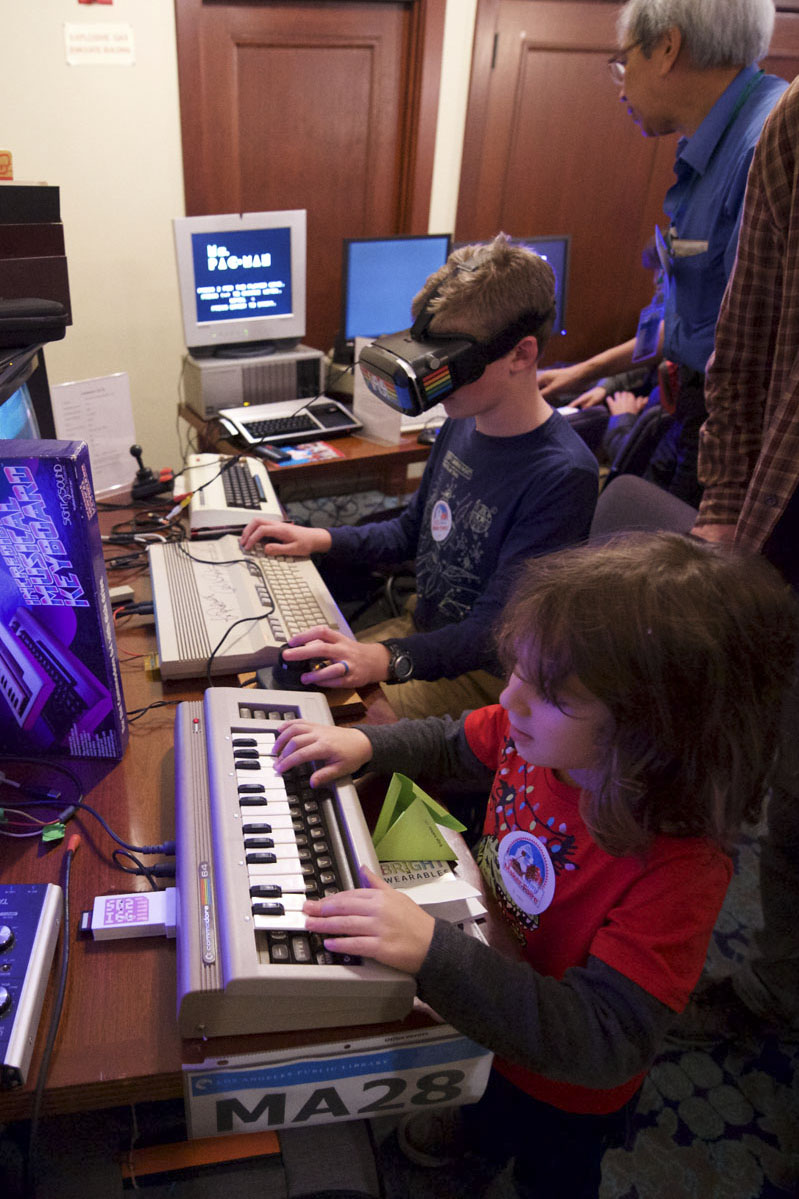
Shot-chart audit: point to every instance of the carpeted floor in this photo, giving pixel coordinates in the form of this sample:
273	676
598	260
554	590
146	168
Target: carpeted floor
721	1123
716	1124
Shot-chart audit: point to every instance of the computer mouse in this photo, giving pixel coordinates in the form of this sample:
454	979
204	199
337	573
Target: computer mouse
427	436
286	675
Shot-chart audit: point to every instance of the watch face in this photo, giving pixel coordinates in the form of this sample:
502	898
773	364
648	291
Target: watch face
402	667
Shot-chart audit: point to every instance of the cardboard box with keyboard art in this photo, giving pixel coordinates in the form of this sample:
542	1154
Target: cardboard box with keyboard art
60	688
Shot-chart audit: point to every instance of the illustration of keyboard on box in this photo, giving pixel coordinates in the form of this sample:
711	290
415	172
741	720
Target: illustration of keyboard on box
60	688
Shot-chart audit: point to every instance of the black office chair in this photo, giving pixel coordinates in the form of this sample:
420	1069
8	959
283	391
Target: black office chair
628	503
635	453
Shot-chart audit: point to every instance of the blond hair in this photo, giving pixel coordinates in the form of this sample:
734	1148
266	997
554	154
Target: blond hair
481	289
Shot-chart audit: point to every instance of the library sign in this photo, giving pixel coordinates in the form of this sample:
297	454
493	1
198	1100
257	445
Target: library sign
376	1076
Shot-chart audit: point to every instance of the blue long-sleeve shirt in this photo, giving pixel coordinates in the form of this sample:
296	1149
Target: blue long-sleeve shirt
484	505
705	204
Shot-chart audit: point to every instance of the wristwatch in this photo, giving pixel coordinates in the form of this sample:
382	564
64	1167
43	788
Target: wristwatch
400	665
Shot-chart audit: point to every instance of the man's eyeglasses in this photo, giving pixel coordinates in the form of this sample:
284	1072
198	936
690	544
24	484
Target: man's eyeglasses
617	63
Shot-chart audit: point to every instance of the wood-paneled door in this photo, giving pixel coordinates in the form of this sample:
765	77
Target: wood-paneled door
548	149
327	106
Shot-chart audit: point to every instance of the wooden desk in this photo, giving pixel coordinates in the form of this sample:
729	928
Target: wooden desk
118	1041
392	469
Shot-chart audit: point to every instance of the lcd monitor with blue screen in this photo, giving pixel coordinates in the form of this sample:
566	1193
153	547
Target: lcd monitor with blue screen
381	275
556	252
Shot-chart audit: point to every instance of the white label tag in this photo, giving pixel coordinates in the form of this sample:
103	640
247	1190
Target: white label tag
407	1072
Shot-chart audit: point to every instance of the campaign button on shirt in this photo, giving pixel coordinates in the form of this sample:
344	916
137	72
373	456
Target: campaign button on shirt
441	521
527	872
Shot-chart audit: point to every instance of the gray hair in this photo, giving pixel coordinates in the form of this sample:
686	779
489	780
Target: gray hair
716	33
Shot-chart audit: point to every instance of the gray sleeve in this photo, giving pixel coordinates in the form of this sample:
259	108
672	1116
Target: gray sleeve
435	747
594	1027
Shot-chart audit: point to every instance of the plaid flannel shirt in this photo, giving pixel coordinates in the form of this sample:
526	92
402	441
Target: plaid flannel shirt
749	445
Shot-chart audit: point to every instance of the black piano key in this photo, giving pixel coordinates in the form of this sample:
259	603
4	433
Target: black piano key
258	858
268	909
251	789
243	742
259	843
246	765
242	755
266	891
256	828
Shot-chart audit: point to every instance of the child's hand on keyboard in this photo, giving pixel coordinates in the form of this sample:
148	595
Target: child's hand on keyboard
374	922
342	750
351	663
296	541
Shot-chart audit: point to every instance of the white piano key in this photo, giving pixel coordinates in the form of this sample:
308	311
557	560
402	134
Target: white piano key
292	883
266	809
268	815
290	902
278	836
268	871
290	922
272	786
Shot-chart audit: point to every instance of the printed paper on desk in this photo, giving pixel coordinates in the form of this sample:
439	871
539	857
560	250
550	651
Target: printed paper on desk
99	412
381	423
437	888
309	451
407	827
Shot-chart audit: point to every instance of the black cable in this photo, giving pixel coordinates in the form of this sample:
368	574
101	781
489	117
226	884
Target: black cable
166	847
151	873
143	609
226	634
137	713
65	771
55	1020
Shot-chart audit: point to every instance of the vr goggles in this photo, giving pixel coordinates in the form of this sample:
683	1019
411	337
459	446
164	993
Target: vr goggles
413	370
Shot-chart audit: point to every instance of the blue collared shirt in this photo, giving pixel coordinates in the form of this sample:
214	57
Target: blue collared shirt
705	204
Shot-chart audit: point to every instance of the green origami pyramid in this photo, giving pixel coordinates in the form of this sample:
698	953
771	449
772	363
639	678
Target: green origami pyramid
408	826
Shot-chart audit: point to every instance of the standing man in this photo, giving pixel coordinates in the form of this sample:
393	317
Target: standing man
749	464
690	67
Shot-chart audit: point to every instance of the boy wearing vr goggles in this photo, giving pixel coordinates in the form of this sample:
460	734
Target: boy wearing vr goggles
507	479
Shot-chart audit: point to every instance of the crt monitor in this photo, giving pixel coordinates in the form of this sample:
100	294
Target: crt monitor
380	277
25	407
242	281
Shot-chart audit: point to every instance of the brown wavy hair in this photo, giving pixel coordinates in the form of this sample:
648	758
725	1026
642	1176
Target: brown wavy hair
691	646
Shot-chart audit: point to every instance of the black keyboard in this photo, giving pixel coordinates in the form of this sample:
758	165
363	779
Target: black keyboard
242	488
314	837
64	701
301	423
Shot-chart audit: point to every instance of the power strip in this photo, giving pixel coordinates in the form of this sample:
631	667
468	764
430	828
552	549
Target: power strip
30	917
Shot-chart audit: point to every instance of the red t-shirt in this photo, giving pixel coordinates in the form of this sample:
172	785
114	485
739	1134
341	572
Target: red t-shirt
648	917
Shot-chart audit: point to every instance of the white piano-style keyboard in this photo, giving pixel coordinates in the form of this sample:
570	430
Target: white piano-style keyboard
251	846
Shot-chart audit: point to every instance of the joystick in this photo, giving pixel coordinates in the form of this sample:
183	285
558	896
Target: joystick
146	482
